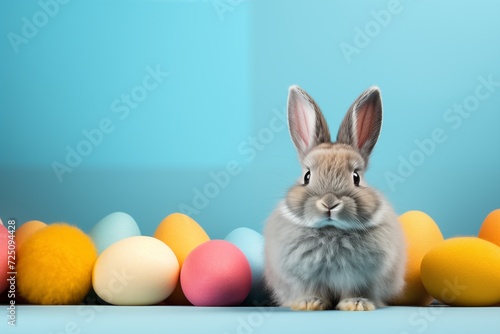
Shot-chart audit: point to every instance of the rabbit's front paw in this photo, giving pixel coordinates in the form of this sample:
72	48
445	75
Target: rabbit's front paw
310	304
355	304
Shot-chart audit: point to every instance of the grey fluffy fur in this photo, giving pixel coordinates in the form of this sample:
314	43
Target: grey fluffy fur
332	243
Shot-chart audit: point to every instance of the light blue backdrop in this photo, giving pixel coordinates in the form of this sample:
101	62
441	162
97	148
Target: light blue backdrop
153	107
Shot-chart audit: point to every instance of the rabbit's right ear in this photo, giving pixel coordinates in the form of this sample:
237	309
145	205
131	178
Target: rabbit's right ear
361	125
307	125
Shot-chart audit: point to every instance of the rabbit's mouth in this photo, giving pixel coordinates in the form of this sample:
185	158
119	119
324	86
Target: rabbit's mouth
330	217
336	223
330	221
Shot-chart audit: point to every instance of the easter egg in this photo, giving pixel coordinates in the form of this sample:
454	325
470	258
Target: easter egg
463	271
251	243
26	230
216	273
54	266
490	229
137	270
421	234
182	234
112	228
4	258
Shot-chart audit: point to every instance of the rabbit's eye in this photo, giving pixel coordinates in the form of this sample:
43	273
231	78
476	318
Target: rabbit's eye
307	177
355	178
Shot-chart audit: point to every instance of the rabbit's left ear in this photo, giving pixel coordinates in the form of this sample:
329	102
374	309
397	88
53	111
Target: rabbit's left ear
307	125
361	125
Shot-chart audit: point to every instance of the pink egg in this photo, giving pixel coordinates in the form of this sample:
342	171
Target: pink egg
4	257
216	273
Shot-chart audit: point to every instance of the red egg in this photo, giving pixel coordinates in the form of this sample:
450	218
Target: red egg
216	273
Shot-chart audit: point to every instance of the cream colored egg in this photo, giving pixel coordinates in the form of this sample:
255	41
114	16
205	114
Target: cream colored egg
137	270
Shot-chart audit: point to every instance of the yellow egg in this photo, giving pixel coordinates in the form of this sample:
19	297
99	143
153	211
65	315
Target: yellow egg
182	234
490	230
26	230
463	272
422	234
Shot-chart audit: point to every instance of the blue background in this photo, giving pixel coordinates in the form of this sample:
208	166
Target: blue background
229	69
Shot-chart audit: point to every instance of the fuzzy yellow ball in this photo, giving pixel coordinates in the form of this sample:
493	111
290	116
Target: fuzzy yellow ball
55	265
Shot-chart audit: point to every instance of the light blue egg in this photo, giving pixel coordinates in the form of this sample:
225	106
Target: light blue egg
112	228
251	243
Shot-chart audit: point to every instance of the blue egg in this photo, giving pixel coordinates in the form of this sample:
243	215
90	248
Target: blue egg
251	243
113	228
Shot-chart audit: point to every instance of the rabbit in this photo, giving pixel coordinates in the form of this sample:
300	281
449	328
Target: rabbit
334	242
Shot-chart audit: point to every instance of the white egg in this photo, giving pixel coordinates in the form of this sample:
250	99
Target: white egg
137	270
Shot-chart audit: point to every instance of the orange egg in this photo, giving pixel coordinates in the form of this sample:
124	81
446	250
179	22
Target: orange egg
422	234
26	230
490	230
182	234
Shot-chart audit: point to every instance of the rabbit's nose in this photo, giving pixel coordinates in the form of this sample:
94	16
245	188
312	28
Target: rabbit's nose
328	202
332	206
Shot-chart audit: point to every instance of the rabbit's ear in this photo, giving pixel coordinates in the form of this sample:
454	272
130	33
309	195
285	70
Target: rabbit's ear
307	125
361	125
